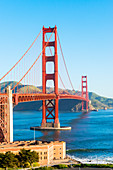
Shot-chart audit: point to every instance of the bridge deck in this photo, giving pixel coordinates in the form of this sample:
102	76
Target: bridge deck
18	98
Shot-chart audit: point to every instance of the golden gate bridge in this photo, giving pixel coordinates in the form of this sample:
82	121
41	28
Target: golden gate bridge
11	95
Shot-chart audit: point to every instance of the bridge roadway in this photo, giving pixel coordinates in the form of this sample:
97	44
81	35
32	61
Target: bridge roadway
18	98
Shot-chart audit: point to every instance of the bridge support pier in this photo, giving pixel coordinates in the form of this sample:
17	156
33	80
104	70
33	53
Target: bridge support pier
10	113
56	122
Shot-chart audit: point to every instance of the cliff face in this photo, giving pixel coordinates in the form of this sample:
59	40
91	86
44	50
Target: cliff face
97	101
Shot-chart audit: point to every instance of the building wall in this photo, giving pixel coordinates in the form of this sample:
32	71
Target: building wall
48	152
59	150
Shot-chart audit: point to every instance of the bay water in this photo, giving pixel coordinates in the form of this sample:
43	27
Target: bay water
90	140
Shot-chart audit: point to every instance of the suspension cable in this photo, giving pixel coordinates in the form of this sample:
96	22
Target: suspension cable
34	61
22	56
58	72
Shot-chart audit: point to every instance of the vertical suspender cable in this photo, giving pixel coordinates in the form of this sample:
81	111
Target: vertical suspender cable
21	57
58	72
34	62
65	63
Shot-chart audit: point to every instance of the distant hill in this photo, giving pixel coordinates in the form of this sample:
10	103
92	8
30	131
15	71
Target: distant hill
97	101
100	102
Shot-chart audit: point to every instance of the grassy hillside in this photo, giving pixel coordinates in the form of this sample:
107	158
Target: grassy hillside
97	101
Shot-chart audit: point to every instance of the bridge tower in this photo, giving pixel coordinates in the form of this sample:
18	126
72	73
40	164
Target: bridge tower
50	107
84	93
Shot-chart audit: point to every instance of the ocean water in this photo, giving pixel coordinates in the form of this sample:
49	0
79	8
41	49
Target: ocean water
90	140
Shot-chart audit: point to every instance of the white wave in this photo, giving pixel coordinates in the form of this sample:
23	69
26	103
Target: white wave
94	160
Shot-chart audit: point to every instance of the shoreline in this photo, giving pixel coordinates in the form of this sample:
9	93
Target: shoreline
90	161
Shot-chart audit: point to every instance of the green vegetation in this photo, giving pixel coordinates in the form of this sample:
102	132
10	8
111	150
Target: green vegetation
45	168
35	164
97	101
25	158
100	102
93	165
63	166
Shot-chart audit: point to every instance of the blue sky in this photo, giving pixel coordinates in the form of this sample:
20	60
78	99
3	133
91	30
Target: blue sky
85	28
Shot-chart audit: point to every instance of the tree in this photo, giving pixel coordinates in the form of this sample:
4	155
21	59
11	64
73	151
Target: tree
25	159
25	156
33	157
1	159
9	160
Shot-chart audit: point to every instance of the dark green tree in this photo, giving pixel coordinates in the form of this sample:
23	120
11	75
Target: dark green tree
33	157
27	156
1	160
10	160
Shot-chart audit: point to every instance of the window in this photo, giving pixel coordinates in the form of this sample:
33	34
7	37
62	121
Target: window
60	152
60	148
41	158
40	153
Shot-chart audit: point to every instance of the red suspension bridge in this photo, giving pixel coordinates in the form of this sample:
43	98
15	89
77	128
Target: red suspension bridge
14	92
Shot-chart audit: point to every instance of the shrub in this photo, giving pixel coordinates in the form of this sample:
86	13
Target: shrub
76	165
45	168
94	165
35	164
61	166
42	168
